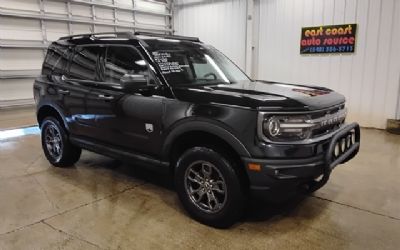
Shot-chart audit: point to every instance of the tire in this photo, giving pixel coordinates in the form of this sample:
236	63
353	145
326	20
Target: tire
216	201
56	146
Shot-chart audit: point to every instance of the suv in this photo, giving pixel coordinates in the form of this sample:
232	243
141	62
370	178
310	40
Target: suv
175	104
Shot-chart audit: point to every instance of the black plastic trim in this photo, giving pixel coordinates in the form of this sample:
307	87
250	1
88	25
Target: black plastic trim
116	153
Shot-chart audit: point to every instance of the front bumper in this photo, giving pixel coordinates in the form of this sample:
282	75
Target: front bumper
283	176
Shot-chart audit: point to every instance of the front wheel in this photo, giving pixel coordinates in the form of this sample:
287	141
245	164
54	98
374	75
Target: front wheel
209	187
56	146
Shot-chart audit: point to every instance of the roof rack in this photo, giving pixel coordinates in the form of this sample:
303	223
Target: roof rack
188	38
95	36
127	35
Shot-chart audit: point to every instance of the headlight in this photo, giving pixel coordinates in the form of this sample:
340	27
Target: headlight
292	127
287	127
274	127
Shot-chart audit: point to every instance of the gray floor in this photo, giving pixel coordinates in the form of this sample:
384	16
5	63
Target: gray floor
103	204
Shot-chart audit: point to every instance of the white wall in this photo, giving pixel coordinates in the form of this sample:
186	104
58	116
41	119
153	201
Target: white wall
216	22
369	78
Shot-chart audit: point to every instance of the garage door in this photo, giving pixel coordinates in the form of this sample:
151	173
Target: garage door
28	26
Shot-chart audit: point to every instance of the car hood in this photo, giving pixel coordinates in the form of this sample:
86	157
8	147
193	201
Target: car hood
262	95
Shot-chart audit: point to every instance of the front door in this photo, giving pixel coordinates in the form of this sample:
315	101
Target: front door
127	119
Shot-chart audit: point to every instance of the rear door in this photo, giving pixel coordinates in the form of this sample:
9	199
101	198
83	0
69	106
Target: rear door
67	94
81	76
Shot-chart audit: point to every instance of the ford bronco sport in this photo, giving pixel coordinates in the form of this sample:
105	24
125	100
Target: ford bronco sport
176	104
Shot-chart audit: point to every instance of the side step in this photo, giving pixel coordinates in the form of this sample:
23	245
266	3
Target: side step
120	154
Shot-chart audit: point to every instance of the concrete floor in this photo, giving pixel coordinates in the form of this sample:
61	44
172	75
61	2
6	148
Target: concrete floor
103	204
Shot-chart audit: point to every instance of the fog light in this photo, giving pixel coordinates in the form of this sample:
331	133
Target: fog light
336	152
343	144
349	141
353	137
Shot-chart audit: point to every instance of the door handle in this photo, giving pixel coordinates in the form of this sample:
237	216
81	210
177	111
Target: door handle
106	97
63	91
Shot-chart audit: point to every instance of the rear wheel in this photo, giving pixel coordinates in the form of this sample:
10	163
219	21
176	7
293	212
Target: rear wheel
209	187
55	143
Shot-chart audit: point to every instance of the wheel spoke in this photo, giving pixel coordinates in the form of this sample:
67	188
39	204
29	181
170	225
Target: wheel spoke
214	198
209	201
49	147
195	180
216	187
52	132
201	194
197	175
206	170
212	201
195	191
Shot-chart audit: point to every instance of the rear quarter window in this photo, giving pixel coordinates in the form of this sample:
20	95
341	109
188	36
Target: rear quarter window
56	60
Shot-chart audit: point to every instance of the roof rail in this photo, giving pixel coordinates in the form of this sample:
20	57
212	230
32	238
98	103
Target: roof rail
188	38
95	36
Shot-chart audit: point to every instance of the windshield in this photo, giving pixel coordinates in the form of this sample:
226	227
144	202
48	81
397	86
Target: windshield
190	63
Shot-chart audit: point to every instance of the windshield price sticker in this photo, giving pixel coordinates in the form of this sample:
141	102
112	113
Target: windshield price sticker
167	66
328	39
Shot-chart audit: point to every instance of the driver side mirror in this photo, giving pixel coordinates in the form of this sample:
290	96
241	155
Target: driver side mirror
134	81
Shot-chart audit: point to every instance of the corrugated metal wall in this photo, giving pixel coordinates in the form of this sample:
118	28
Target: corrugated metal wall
369	78
217	22
27	27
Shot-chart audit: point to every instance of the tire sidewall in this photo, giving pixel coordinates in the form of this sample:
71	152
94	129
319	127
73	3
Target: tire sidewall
235	198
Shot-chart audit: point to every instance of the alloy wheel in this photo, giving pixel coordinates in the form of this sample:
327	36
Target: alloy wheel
53	141
205	186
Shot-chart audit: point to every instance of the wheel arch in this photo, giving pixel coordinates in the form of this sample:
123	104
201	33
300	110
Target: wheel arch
206	134
195	133
209	130
46	110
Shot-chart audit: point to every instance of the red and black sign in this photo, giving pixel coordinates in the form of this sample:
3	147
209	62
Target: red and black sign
328	39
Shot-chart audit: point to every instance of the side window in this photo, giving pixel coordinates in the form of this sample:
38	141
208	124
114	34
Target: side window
85	62
122	61
55	61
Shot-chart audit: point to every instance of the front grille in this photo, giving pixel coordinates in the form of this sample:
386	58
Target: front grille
326	130
328	120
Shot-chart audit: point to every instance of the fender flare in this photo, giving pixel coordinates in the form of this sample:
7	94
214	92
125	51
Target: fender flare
207	127
56	108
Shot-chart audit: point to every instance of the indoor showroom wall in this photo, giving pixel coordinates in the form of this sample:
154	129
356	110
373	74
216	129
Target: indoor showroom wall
27	27
369	78
220	23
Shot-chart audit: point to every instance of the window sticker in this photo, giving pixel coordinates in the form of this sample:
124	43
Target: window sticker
166	64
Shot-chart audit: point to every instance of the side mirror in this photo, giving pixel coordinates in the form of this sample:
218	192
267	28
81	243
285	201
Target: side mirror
136	82
133	81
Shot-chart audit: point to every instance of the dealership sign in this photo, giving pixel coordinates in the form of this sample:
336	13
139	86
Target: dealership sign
328	39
